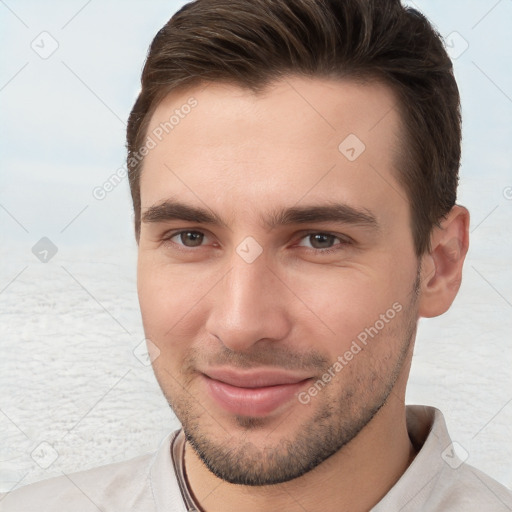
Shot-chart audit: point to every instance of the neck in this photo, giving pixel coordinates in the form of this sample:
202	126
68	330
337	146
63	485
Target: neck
354	479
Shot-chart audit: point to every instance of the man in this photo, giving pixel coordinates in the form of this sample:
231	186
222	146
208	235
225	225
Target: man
293	168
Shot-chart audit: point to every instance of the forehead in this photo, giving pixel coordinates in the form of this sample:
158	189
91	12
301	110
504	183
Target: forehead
299	136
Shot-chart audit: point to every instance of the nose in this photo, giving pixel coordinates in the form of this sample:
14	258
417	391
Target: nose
249	305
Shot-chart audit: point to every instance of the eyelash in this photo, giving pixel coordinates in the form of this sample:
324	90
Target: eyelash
343	241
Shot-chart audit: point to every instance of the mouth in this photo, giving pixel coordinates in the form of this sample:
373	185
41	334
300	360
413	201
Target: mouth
256	393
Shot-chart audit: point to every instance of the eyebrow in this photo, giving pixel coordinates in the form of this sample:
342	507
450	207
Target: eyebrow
174	210
169	210
331	212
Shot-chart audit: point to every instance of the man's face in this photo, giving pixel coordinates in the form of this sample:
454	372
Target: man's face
302	255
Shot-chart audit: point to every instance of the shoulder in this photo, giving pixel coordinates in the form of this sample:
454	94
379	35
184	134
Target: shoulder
457	485
128	485
469	489
438	480
120	483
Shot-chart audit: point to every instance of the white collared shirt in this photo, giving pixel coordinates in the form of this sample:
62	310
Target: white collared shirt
436	481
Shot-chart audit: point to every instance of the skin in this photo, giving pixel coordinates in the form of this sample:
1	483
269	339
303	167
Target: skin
243	157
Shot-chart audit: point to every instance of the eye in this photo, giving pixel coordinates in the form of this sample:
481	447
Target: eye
321	241
187	238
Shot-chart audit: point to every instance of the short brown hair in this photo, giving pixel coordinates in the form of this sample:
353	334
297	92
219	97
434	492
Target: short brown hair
251	43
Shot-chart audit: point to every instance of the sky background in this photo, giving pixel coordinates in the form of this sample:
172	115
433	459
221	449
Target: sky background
70	328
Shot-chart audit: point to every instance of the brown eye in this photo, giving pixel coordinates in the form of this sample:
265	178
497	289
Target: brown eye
324	243
321	240
190	238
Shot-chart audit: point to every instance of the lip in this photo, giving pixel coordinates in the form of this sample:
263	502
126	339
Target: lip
254	378
252	393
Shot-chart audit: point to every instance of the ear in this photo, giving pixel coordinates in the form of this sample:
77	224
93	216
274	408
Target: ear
441	268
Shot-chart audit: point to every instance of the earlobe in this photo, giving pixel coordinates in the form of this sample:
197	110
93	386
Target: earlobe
441	272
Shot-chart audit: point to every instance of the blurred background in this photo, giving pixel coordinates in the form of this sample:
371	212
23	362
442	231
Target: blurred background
77	389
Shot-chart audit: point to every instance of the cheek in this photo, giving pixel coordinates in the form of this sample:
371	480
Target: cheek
168	296
346	305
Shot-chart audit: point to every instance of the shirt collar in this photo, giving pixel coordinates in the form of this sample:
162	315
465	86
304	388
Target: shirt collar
428	433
